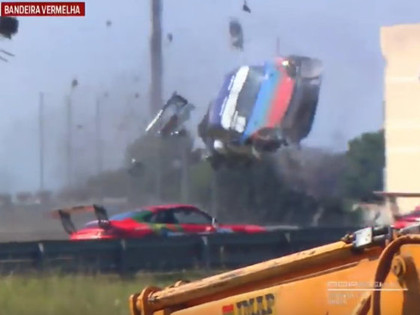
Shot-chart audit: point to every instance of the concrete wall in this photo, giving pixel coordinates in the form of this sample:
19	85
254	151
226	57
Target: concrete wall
401	49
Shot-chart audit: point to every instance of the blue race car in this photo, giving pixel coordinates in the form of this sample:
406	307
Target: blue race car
261	108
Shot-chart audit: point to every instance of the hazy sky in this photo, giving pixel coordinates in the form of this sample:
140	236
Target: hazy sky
50	52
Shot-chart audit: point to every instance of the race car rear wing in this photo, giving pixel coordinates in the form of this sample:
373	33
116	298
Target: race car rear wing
64	215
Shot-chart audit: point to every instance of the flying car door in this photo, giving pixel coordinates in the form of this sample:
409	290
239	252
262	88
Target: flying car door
170	119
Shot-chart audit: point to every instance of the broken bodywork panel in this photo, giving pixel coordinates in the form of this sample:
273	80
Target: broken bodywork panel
8	28
170	120
236	34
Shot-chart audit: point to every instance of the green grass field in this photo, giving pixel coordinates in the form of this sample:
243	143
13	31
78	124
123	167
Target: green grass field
76	295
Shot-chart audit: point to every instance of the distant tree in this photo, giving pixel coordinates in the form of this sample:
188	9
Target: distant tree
365	161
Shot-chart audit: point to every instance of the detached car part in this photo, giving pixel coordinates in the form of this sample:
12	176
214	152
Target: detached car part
170	120
261	108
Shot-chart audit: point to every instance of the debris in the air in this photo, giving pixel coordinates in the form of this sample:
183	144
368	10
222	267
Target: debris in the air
8	26
74	83
245	7
236	34
236	135
170	119
6	53
79	126
170	37
137	95
136	168
108	23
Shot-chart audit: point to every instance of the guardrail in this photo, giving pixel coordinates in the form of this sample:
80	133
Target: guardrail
129	256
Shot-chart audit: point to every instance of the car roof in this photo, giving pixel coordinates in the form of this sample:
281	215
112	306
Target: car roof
165	207
151	209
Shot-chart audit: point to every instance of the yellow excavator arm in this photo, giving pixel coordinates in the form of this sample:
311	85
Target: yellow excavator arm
371	271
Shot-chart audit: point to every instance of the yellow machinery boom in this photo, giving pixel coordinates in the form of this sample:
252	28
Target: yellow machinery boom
372	271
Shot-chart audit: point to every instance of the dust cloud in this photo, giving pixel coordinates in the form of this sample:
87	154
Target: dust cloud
196	58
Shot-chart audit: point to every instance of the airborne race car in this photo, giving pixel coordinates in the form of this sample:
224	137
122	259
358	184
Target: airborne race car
151	221
260	109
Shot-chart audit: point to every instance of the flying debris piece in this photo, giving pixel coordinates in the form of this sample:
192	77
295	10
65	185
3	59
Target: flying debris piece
8	26
79	126
170	37
6	53
74	83
245	7
170	120
242	129
236	34
108	23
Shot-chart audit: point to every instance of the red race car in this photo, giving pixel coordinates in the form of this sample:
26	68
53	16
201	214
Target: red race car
160	220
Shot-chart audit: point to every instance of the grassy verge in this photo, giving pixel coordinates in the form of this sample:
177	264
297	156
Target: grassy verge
80	295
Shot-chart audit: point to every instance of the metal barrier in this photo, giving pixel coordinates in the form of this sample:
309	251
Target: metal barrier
129	256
